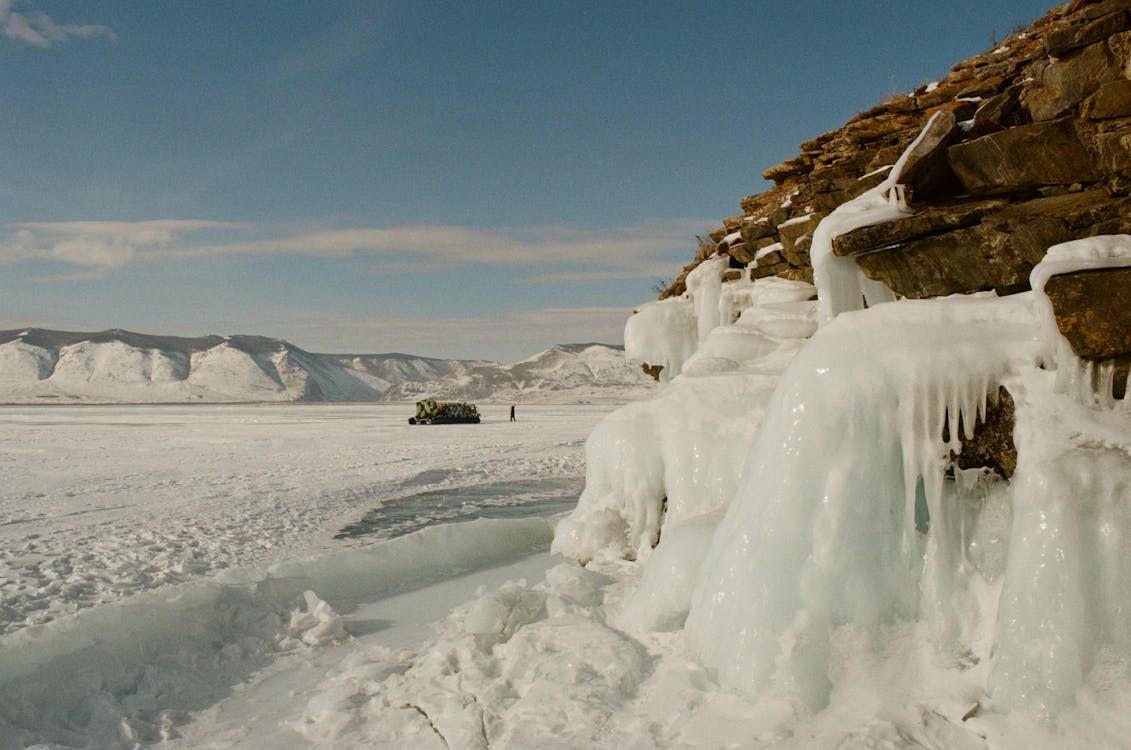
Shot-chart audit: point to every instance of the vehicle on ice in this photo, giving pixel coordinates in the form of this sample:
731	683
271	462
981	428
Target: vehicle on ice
430	411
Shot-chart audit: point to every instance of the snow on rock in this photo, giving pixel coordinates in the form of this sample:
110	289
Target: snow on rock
233	373
117	364
841	285
1084	380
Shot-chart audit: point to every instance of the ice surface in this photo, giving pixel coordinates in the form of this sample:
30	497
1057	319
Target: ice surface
155	557
142	664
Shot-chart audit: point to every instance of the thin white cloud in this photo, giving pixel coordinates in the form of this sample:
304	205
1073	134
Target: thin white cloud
619	252
98	245
40	30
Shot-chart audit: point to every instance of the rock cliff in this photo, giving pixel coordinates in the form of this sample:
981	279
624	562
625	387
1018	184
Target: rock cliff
1016	150
1032	147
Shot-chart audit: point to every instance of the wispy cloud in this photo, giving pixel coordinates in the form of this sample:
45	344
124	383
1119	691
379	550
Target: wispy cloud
97	245
619	252
40	30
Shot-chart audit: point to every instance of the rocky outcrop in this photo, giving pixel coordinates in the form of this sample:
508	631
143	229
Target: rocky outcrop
1014	151
1031	147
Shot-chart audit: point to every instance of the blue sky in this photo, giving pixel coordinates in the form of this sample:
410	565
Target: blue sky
454	179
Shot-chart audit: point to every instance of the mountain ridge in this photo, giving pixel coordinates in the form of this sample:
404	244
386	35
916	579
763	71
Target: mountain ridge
39	365
583	373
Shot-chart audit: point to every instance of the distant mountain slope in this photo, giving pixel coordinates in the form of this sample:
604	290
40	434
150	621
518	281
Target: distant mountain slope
116	366
570	373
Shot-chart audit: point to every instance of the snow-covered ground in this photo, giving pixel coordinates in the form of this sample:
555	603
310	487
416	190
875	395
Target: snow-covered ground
151	556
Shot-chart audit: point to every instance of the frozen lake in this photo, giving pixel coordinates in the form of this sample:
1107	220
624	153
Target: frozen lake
99	502
110	511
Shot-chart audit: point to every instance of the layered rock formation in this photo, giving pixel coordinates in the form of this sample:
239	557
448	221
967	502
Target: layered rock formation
1016	150
1032	147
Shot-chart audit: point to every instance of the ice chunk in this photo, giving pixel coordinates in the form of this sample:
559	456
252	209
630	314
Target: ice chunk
662	333
704	287
316	625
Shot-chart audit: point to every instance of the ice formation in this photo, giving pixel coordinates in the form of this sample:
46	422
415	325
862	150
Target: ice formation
845	476
841	545
666	330
661	461
1083	380
1064	637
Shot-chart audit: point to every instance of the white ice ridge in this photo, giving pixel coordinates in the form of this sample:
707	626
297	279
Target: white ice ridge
841	285
844	477
667	332
663	460
1081	379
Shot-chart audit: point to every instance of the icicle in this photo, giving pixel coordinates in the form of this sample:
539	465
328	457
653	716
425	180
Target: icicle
1079	379
1085	382
822	531
1105	381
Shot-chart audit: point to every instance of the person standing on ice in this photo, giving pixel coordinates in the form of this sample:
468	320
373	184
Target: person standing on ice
512	412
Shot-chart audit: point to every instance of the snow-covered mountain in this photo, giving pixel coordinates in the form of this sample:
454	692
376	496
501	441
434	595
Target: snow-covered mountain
576	373
116	366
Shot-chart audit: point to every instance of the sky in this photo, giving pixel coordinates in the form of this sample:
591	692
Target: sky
457	179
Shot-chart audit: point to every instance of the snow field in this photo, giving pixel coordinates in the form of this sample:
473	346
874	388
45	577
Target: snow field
99	503
154	557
